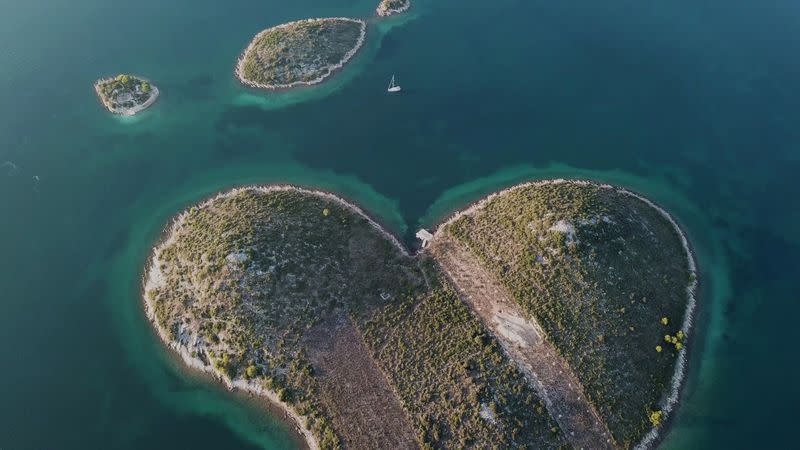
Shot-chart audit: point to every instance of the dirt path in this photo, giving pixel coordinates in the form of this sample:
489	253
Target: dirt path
369	414
524	341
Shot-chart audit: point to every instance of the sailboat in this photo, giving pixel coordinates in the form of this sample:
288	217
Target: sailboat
393	87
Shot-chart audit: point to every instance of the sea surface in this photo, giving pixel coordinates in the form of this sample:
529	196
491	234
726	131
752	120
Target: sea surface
695	104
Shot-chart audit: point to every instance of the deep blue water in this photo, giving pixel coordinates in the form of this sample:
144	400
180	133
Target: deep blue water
694	104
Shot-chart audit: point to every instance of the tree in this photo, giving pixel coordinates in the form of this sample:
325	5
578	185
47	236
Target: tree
251	371
283	395
655	418
329	439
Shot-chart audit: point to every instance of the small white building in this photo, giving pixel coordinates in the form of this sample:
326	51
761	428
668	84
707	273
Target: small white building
424	236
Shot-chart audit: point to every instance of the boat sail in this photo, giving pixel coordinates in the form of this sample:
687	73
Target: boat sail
393	87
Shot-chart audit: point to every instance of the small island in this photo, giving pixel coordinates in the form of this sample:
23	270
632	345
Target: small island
391	7
300	53
126	94
550	315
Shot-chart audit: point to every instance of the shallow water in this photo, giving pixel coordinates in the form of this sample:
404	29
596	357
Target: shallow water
693	105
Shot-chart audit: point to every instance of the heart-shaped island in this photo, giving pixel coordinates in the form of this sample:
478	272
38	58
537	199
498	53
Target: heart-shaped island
552	314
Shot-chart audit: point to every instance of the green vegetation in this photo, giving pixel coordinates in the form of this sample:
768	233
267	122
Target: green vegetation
299	52
455	381
655	418
603	273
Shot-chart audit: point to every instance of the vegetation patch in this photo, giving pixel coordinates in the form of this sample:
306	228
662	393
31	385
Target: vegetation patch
457	384
299	53
606	274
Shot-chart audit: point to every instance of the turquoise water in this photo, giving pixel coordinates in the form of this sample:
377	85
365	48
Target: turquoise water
694	105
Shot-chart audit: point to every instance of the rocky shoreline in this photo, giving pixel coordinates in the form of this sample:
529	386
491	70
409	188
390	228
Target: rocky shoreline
251	387
329	70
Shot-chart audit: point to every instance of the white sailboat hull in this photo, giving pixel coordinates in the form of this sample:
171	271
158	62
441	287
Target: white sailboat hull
393	87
